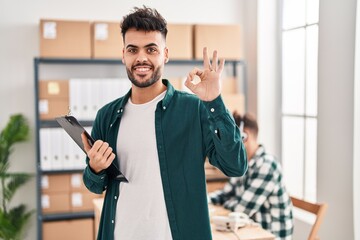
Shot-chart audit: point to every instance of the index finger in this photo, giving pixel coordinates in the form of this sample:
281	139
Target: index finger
206	58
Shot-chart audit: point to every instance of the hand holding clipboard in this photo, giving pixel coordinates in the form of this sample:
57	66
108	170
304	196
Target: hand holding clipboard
81	136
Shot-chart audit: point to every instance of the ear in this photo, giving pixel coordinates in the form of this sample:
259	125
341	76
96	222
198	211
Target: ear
122	58
166	55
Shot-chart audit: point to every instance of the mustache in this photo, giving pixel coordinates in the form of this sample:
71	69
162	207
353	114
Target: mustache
142	65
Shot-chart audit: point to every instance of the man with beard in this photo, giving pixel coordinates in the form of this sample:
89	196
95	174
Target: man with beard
159	138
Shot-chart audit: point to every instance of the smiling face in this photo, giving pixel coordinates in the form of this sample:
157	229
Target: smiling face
144	56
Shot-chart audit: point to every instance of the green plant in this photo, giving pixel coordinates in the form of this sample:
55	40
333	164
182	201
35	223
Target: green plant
13	220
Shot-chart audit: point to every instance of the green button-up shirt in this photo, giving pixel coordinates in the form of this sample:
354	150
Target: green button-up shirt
187	131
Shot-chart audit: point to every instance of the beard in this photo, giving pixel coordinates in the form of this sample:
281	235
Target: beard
155	76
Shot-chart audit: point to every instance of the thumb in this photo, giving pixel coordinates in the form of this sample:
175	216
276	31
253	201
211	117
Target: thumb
84	139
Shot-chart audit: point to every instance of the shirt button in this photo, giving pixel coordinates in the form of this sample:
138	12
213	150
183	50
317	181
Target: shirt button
112	221
115	197
212	110
121	110
215	131
110	125
164	107
118	111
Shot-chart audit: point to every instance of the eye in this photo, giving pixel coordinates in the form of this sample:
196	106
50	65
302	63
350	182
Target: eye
151	50
132	50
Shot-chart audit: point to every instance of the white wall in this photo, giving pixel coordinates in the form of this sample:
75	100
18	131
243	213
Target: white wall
19	44
268	80
356	144
250	47
336	116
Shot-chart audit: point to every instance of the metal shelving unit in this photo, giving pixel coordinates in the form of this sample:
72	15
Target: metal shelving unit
53	124
67	216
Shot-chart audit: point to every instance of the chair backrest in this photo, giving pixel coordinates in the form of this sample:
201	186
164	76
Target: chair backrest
318	209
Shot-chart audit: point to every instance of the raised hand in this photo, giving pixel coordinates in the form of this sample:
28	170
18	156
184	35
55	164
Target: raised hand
209	86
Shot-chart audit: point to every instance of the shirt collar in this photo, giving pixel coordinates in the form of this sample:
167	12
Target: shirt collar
169	93
258	154
165	102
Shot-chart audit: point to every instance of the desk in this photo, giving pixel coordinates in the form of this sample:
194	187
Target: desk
245	233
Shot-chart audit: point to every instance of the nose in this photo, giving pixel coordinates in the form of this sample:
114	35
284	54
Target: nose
142	57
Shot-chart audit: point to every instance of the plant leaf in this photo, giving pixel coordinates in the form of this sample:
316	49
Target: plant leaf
12	224
12	220
14	181
17	130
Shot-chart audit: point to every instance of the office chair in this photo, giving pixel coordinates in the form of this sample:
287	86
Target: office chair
318	209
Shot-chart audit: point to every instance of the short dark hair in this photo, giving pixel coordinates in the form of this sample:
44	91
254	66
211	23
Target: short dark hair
146	19
249	121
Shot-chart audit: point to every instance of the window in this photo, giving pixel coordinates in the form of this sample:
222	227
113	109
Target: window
299	95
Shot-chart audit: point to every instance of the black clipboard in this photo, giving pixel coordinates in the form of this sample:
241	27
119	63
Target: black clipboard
72	126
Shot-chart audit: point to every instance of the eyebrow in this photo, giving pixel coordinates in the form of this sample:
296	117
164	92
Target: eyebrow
148	45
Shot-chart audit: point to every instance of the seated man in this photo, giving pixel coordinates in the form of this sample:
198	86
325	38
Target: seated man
261	192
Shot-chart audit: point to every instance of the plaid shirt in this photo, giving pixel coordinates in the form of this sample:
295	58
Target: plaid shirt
261	194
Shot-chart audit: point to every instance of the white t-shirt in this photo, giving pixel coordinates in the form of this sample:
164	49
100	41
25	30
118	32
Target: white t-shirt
141	212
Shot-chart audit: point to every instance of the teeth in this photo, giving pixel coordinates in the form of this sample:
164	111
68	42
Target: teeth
142	69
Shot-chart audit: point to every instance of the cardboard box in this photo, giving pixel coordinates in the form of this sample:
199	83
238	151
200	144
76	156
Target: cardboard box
234	102
98	204
229	85
83	201
54	89
76	183
107	41
58	183
55	202
70	229
53	98
226	39
65	39
179	41
51	108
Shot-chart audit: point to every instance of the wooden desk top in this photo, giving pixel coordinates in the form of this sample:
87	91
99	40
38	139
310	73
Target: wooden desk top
250	232
245	233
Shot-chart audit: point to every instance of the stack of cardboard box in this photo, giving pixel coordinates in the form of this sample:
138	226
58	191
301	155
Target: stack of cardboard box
53	98
55	193
102	39
64	193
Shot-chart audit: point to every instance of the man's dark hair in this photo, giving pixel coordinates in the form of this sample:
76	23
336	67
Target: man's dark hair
145	19
249	121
